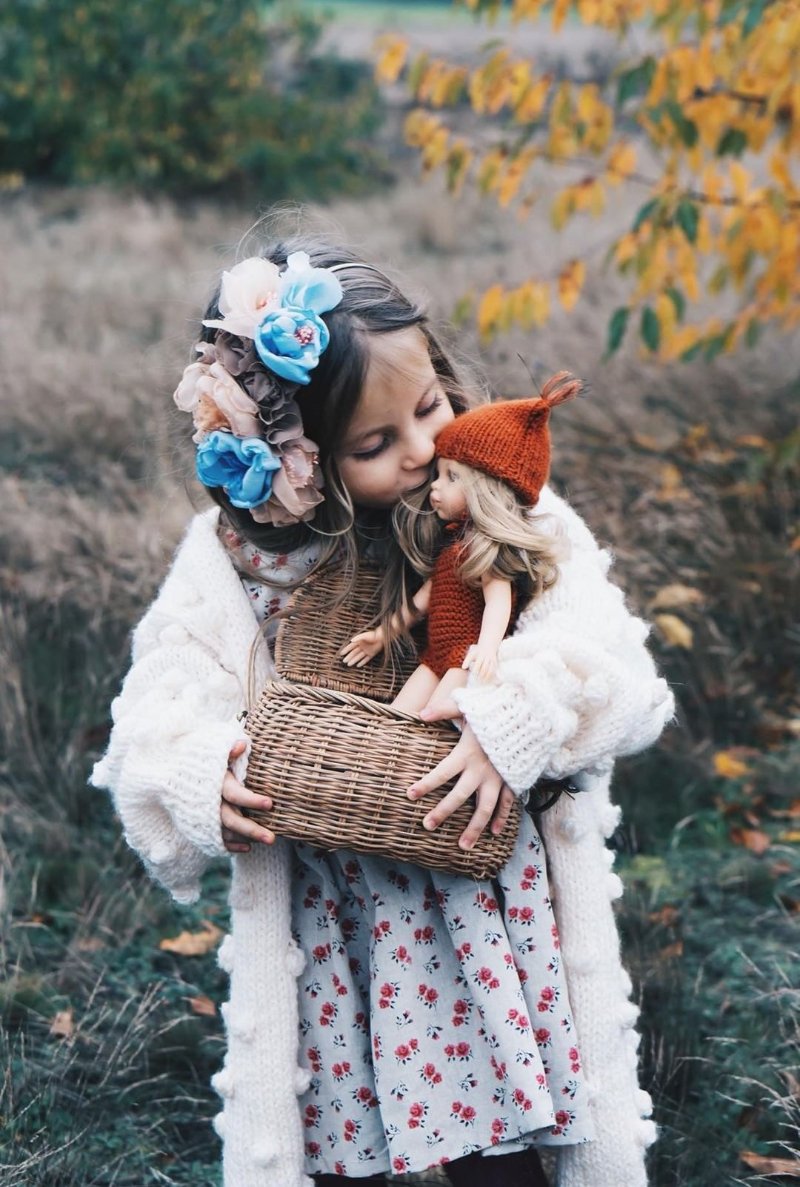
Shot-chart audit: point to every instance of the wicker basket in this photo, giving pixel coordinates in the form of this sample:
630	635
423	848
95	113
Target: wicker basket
337	767
315	630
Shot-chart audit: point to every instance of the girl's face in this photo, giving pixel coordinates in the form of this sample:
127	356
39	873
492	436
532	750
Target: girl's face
388	447
447	492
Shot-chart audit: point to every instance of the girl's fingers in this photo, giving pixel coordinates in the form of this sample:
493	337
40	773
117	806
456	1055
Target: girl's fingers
502	811
242	828
240	796
464	788
487	797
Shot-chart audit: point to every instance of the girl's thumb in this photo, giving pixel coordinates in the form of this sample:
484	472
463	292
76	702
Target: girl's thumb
236	749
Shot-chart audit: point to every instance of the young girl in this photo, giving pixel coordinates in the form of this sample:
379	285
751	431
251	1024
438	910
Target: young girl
491	466
384	1018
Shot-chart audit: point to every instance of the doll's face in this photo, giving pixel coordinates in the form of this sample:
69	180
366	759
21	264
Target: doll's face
447	491
389	445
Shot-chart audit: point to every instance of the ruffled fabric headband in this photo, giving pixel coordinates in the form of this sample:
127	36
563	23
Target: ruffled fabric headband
240	391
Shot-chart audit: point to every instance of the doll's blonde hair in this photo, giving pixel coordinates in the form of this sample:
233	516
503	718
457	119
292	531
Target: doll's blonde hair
502	538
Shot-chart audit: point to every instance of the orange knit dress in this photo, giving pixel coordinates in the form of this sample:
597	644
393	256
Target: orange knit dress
455	612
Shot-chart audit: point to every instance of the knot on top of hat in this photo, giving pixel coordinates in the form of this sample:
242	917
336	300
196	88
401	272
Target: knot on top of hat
560	387
509	439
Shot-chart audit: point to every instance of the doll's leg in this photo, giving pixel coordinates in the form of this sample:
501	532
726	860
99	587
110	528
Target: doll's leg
522	1169
417	690
452	679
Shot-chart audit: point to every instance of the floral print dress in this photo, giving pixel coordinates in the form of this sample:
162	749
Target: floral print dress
434	1014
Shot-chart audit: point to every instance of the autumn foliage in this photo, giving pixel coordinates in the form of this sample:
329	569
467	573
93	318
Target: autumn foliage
706	123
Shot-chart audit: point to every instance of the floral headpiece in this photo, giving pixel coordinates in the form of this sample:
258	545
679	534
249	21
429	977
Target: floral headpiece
249	428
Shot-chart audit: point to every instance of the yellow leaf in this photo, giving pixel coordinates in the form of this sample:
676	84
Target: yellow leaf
193	943
728	766
675	631
62	1026
393	52
672	488
621	162
490	310
570	282
792	836
673	597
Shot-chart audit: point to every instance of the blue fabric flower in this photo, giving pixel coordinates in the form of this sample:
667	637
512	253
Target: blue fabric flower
242	466
290	339
289	342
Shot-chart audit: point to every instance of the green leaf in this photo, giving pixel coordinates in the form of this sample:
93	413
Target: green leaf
645	213
713	346
732	143
617	326
678	300
752	333
686	128
687	217
754	14
650	329
692	352
635	81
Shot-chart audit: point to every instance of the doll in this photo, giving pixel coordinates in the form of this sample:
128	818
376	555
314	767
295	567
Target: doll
491	464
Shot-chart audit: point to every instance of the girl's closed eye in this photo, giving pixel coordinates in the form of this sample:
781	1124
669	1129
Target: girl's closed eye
420	414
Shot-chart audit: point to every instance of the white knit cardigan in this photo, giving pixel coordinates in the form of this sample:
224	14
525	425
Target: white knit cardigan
577	687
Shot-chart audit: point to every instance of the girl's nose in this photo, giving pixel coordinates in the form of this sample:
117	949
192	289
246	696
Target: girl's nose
420	449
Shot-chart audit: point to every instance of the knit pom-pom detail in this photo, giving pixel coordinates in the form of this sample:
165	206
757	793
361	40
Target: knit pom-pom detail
644	1102
610	816
302	1079
225	954
219	1125
646	1133
265	1152
295	960
222	1083
615	886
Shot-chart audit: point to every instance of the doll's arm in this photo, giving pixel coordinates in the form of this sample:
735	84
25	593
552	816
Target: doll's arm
481	658
365	646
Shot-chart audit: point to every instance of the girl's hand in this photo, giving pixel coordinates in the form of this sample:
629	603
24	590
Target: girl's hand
238	830
362	648
476	776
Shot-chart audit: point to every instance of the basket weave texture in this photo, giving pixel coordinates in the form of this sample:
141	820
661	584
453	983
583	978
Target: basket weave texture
316	628
337	767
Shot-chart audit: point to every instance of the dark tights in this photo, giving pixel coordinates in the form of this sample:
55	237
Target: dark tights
522	1169
501	1170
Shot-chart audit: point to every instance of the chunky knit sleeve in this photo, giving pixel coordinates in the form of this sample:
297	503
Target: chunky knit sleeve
577	686
174	723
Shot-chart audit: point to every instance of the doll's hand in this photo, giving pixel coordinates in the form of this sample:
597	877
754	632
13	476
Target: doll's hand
239	830
475	776
362	648
482	662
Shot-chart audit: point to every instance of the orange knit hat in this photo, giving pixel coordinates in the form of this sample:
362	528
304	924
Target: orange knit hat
509	440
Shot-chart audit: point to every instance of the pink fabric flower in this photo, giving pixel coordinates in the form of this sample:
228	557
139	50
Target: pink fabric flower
247	292
216	401
296	486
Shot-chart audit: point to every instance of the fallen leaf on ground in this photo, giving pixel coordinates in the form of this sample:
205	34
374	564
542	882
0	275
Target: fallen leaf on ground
193	943
771	1166
675	631
203	1006
667	916
751	838
672	597
671	951
729	766
793	836
62	1026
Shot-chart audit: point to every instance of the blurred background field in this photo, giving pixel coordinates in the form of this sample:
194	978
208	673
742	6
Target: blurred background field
688	471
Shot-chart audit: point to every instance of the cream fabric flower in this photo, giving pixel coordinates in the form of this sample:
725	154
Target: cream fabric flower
248	291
